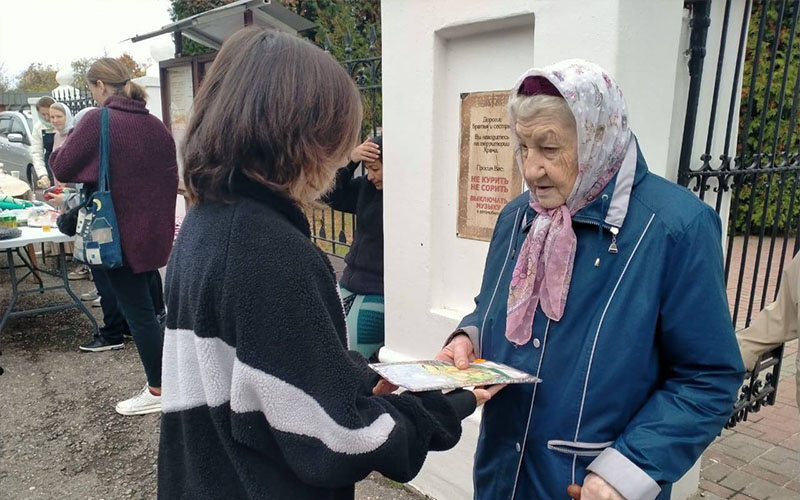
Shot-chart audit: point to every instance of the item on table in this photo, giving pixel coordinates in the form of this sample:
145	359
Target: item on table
39	216
432	375
9	233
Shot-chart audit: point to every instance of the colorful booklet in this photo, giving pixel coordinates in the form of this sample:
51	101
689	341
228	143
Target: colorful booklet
431	375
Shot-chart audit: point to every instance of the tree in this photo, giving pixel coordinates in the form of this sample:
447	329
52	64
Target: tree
181	9
5	81
81	66
134	67
79	69
37	78
762	96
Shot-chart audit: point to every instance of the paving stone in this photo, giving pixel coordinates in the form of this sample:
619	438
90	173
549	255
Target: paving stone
760	489
784	494
786	468
739	440
715	488
745	454
766	474
738	480
717	472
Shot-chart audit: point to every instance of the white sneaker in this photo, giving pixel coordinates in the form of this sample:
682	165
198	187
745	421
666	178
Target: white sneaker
141	404
89	296
96	302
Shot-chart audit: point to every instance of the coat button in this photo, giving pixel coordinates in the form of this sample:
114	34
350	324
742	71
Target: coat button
536	343
519	448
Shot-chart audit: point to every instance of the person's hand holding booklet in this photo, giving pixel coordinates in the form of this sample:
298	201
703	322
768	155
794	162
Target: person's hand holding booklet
432	375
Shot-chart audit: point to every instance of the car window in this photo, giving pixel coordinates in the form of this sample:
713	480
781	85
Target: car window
5	124
17	127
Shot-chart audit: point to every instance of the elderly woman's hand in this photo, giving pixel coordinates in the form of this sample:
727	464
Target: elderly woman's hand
459	351
594	488
44	182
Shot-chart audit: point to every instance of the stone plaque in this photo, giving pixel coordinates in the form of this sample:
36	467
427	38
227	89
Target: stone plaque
488	174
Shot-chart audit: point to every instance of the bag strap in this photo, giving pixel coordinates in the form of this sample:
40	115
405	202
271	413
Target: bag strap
102	180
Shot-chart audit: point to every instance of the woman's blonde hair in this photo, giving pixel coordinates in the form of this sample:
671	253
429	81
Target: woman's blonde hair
275	109
530	107
60	107
115	75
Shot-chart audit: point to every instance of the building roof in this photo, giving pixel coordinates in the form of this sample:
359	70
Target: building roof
213	27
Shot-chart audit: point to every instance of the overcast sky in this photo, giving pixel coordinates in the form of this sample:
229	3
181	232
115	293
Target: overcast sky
58	31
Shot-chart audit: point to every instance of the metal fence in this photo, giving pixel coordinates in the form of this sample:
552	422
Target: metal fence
755	182
75	99
333	230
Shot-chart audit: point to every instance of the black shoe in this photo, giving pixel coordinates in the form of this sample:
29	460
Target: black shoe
127	335
99	344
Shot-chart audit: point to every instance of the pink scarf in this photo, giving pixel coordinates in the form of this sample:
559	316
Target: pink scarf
543	271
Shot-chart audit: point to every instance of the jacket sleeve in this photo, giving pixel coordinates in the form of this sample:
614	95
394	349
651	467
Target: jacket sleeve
344	196
295	386
37	151
776	323
701	365
75	160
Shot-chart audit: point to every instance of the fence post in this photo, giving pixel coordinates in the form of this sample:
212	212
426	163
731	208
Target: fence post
697	53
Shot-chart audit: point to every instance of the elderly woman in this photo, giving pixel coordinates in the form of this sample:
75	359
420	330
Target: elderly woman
606	281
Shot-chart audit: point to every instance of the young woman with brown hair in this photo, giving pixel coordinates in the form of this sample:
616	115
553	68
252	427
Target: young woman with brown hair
144	183
261	397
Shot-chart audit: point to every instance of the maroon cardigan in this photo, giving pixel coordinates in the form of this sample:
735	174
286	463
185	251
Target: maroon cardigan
143	172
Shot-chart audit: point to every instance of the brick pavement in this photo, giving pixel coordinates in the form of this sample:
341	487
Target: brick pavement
758	459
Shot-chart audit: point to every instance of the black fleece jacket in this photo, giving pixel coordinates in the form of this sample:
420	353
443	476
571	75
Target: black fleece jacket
261	399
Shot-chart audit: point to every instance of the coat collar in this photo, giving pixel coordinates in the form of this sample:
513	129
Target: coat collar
124	104
244	186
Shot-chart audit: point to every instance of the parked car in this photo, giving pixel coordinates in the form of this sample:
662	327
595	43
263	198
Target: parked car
15	144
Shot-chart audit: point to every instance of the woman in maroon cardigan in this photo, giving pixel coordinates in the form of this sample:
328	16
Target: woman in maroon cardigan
144	183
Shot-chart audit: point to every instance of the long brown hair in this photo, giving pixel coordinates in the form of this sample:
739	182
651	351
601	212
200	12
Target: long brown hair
274	108
116	75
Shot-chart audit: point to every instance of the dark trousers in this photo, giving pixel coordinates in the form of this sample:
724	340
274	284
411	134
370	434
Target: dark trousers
134	301
114	324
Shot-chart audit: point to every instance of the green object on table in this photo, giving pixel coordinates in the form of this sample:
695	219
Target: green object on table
9	203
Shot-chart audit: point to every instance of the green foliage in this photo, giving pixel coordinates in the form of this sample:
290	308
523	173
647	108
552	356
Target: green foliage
79	69
181	9
82	65
37	78
349	29
761	100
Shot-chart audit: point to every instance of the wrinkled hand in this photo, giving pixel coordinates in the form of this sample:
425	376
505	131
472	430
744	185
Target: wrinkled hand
459	351
366	151
44	182
594	488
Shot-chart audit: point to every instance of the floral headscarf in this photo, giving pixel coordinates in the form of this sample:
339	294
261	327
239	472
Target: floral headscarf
543	270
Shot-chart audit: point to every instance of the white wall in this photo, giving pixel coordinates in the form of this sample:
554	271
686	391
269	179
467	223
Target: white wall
433	51
152	85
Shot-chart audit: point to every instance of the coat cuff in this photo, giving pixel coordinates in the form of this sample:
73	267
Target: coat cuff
626	477
470	331
463	402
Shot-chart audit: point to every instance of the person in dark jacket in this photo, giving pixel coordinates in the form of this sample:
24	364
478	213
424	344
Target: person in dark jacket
144	183
592	283
262	399
361	285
